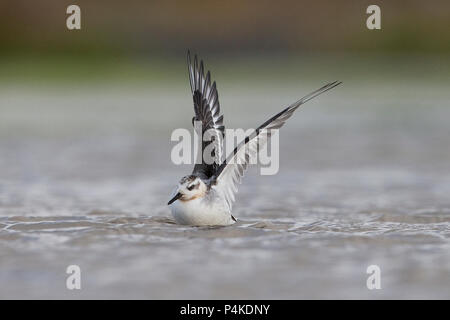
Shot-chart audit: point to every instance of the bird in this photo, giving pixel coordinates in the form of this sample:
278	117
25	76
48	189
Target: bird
206	196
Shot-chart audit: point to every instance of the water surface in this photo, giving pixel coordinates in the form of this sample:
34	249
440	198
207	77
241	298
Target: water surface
364	179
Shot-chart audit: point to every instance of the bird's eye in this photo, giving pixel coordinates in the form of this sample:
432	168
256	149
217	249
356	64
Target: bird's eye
190	187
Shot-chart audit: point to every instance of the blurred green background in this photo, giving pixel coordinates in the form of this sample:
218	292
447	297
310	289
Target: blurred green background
147	40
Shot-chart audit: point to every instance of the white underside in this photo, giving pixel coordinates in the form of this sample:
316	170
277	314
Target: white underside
197	212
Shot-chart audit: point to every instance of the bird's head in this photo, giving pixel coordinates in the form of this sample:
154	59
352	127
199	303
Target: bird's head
189	188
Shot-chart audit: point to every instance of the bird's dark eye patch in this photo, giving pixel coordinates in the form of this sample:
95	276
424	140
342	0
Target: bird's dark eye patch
193	186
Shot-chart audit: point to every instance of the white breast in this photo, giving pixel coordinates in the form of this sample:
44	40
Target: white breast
198	212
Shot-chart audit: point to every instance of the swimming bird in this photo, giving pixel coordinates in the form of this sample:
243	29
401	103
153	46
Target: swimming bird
205	197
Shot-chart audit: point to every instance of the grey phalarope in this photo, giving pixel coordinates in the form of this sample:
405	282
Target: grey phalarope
205	197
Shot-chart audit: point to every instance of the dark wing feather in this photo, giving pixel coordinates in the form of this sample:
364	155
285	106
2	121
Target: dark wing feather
229	174
207	110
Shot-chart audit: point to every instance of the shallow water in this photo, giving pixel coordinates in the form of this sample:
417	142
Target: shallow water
86	176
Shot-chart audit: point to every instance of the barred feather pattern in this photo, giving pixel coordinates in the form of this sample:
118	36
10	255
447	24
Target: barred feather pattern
207	110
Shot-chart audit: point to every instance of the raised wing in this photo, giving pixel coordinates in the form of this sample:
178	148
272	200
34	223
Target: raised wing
229	174
207	110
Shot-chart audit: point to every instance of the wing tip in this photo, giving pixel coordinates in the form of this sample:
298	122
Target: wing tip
334	84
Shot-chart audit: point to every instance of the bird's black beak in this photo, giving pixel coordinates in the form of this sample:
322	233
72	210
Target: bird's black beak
177	196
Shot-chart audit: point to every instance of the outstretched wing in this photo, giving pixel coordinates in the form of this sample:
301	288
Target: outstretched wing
207	110
229	174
